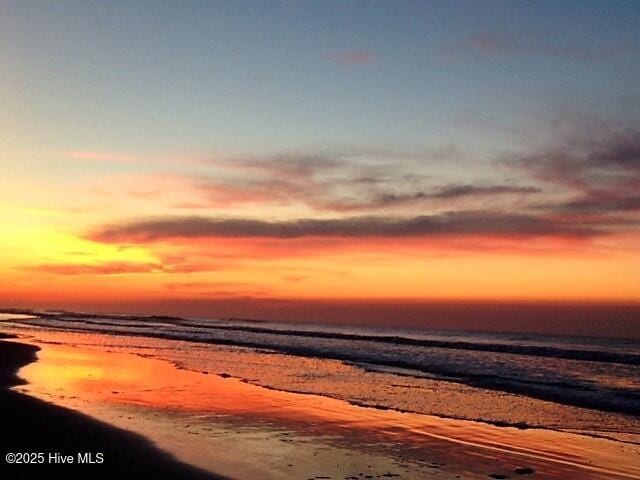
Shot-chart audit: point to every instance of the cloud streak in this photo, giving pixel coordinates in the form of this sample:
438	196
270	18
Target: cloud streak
601	173
354	57
99	156
342	182
114	268
454	223
447	193
495	44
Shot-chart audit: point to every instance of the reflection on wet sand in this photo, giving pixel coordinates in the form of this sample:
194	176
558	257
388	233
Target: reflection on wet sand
243	430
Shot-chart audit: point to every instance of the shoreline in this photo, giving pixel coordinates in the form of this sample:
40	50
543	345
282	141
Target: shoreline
239	429
32	425
574	398
213	421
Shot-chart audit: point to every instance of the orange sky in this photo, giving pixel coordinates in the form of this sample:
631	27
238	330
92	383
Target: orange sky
134	169
73	235
47	255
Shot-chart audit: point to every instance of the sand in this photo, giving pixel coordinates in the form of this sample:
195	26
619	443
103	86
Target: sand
225	425
31	425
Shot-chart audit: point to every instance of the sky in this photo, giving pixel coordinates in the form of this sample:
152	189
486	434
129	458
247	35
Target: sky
223	156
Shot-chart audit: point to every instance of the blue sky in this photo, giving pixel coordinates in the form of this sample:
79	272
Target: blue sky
257	77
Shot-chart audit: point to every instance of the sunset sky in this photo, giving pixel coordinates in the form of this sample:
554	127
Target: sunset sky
244	152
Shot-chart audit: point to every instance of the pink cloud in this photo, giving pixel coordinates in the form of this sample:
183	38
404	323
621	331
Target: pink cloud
98	156
501	44
491	43
354	57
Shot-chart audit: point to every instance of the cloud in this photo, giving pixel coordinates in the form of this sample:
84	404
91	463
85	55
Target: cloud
348	194
583	164
217	289
490	43
582	182
454	223
354	57
600	171
446	193
596	203
125	268
454	191
352	181
115	268
298	165
98	156
506	44
284	178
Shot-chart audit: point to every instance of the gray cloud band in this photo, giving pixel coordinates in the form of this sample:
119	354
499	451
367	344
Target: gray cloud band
455	223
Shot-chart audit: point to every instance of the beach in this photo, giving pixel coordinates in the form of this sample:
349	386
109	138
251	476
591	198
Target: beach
32	426
184	398
320	240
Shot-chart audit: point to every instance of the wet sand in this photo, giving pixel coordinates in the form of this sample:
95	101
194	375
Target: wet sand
32	425
245	431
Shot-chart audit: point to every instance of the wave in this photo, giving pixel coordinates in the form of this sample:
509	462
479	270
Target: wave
530	350
591	354
563	374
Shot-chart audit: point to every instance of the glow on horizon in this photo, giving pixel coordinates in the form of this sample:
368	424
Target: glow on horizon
397	164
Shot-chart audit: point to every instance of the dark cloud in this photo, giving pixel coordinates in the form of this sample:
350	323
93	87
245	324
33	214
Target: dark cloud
114	268
297	165
611	159
277	179
601	174
599	204
589	172
359	181
455	223
445	193
454	191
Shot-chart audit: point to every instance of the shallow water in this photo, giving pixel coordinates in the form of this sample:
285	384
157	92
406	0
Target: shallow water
231	427
588	385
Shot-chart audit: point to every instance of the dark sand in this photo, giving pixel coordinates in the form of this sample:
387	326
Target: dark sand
31	425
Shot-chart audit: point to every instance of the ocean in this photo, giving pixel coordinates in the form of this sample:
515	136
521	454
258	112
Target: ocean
583	385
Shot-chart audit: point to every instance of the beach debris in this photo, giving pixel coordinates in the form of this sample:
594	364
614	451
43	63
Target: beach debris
524	471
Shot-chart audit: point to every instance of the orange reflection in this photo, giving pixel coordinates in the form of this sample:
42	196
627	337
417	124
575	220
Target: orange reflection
91	380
